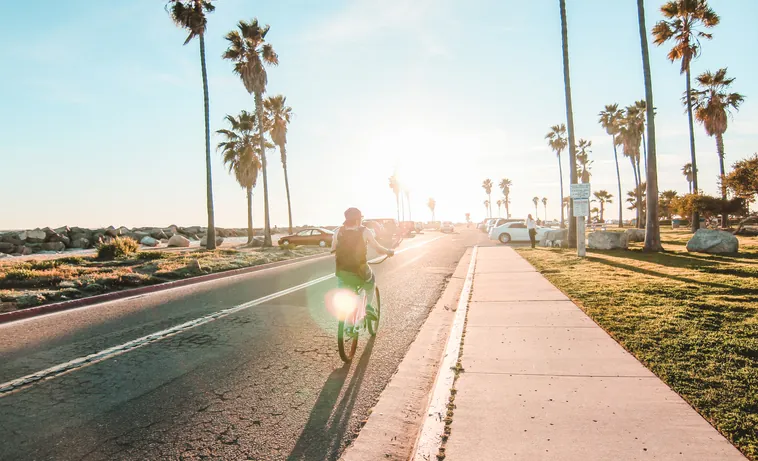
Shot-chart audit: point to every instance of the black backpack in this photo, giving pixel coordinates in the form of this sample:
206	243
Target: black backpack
351	250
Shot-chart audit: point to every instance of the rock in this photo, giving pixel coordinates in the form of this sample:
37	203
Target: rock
11	238
158	234
21	235
35	236
178	241
554	237
53	246
124	230
3	256
67	284
194	265
63	238
257	242
204	241
149	241
608	241
80	242
49	232
62	230
749	231
6	247
635	235
713	242
24	250
112	231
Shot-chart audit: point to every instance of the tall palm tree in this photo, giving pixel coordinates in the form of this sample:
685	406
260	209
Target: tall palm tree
638	196
630	135
487	186
610	119
191	15
602	197
536	201
665	200
684	19
687	172
569	120
641	106
713	105
395	186
278	115
583	160
487	207
499	205
544	204
432	204
652	224
505	186
407	194
250	53
240	154
556	139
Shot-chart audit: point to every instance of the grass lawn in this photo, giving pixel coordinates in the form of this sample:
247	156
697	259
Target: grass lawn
690	318
32	283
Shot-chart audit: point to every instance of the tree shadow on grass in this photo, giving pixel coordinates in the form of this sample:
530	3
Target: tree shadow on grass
329	420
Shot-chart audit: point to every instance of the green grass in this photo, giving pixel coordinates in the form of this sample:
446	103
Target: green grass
690	318
32	283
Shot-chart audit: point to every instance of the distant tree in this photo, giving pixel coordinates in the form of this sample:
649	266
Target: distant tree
468	217
505	186
395	186
583	161
743	180
602	197
536	201
432	204
708	206
544	204
665	201
637	197
487	186
688	174
278	115
487	206
556	139
499	205
610	119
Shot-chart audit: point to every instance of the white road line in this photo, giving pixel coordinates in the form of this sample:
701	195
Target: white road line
430	437
105	354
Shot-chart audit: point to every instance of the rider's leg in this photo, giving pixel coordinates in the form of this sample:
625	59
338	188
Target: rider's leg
369	286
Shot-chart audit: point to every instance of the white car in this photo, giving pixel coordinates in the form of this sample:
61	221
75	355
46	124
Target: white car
447	227
514	232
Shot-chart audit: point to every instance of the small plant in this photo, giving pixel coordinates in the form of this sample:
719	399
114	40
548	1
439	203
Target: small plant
151	255
19	274
120	246
71	260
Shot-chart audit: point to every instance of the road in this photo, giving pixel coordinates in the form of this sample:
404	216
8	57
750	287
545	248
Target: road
264	382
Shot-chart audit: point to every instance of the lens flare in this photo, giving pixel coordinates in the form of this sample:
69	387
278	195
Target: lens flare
341	302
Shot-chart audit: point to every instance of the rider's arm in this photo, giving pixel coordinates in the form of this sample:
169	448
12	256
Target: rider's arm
334	239
371	240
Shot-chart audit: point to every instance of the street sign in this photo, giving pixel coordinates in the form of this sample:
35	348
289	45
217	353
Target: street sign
581	206
580	192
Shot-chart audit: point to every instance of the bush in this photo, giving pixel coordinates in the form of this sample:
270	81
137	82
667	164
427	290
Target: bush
19	274
120	246
151	255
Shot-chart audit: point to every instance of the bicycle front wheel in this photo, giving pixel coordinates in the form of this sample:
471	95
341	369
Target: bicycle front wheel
347	341
373	325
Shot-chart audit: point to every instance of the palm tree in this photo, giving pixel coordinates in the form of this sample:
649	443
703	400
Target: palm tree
664	203
487	206
569	120
278	115
487	185
240	154
687	172
610	118
536	201
250	52
634	197
713	105
556	139
566	203
602	197
641	106
583	160
395	186
407	193
630	135
544	204
652	224
505	186
684	20
191	15
499	205
432	204
468	217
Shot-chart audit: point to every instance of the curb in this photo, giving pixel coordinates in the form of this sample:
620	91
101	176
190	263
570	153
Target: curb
116	295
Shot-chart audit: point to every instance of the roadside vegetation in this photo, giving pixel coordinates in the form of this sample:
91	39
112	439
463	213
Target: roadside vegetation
32	283
690	318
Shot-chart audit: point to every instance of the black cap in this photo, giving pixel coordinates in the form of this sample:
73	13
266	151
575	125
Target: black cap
353	214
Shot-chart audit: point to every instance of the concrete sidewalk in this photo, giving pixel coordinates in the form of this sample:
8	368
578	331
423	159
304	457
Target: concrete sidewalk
543	382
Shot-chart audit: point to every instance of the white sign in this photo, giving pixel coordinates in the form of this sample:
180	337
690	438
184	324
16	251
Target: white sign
580	192
581	207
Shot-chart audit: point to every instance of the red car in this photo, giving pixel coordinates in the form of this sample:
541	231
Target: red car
310	236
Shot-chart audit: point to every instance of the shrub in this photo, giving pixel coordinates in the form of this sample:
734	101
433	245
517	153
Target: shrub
120	246
151	255
19	274
72	260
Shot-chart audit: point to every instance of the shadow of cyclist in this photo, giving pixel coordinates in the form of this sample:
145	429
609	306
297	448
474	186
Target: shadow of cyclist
323	433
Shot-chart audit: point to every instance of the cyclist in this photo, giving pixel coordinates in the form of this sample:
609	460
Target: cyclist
350	243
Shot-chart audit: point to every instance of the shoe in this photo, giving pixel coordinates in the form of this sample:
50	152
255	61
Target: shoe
370	313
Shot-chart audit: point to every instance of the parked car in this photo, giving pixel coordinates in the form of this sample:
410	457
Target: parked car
447	227
386	230
514	232
419	227
406	228
311	236
495	222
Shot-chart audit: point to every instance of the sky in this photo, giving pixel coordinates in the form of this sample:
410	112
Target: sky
102	113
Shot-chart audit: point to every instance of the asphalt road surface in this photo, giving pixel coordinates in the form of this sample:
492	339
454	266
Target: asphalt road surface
263	383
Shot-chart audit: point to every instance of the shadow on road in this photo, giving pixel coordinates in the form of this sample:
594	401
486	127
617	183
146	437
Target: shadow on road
329	420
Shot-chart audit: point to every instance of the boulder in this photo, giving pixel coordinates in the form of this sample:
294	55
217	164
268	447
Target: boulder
62	230
554	238
158	234
6	247
24	250
149	241
713	242
58	237
193	230
257	242
635	235
11	238
3	255
123	230
112	232
178	241
21	235
603	240
35	236
53	246
81	242
204	241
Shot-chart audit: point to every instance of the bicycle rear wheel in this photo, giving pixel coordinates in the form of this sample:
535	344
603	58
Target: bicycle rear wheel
373	325
346	342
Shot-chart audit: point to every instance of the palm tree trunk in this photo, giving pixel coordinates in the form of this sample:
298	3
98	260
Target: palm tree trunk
507	207
637	206
250	215
569	121
644	152
397	203
695	190
545	206
489	199
266	218
560	172
720	150
211	233
652	226
287	186
618	179
602	211
408	201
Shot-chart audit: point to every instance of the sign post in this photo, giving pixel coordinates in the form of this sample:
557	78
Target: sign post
580	194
